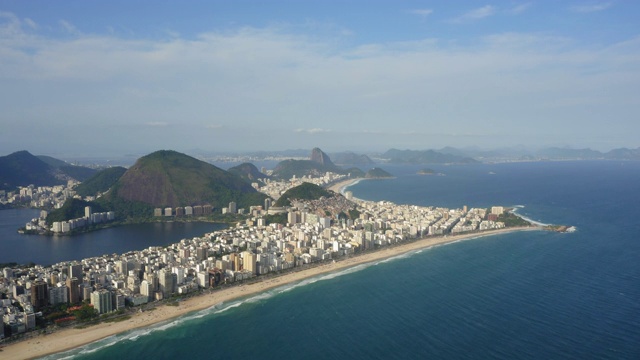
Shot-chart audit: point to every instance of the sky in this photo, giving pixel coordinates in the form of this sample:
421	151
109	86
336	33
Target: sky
120	77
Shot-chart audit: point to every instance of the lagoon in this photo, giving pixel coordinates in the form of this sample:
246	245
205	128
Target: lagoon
47	250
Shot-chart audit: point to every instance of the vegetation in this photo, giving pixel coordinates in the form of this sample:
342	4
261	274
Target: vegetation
354	214
426	172
169	178
21	169
377	173
355	172
86	312
306	191
79	173
72	209
511	220
248	172
100	181
281	218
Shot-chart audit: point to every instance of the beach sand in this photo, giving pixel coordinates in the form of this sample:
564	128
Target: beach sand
340	186
66	339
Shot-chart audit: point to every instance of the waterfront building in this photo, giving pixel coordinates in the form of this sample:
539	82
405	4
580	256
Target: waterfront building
166	282
249	262
168	211
73	289
39	294
102	301
58	295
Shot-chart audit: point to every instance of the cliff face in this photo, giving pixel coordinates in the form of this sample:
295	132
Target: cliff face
320	157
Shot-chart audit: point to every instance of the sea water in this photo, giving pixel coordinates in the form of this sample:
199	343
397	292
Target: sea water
525	295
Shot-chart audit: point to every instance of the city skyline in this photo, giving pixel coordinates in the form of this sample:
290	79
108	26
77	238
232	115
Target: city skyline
244	76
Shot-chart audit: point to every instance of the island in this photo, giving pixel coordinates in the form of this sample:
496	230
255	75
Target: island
428	171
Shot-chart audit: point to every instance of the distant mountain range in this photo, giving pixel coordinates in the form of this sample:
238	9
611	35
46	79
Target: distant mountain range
552	153
22	168
396	156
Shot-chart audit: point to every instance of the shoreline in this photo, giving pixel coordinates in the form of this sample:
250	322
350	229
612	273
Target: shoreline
341	186
71	338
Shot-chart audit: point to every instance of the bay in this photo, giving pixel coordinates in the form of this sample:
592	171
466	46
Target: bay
47	250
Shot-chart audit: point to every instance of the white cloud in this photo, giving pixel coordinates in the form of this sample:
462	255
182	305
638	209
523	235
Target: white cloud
68	27
589	8
312	131
421	12
519	9
476	14
279	83
30	23
157	123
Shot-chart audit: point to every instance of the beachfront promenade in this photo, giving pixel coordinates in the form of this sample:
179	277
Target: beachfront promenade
240	255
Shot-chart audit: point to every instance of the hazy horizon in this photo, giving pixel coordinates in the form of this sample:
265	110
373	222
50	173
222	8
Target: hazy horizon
115	78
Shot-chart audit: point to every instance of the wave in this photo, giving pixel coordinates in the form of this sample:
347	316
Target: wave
535	222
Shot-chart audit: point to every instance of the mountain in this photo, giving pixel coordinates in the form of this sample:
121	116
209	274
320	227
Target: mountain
563	153
305	191
623	154
321	158
168	178
350	158
51	161
76	172
100	181
424	157
318	165
248	172
22	168
377	173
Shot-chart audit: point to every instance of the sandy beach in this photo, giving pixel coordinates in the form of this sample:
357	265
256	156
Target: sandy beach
340	186
66	339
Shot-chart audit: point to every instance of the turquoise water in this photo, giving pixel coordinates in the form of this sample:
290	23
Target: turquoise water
527	295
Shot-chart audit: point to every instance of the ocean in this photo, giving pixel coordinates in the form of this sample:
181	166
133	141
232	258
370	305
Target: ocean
526	295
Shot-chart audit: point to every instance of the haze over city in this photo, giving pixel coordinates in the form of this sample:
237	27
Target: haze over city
118	77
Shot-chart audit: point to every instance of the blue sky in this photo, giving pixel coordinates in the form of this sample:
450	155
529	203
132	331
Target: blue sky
88	77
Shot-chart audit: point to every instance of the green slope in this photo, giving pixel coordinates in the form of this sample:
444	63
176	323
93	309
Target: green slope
100	182
306	191
168	178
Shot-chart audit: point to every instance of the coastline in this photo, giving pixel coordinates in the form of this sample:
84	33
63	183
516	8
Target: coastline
67	339
341	187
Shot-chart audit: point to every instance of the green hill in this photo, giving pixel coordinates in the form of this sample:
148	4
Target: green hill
22	168
72	209
248	172
100	181
377	173
306	191
168	178
79	173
